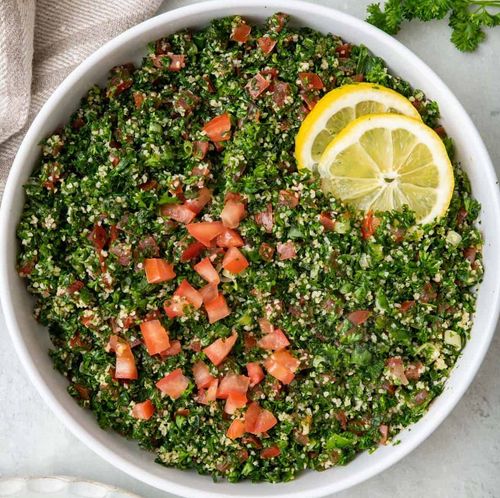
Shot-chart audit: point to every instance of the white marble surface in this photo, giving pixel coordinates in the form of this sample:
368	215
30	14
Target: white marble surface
461	459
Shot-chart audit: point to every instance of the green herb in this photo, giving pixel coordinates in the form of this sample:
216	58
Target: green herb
467	18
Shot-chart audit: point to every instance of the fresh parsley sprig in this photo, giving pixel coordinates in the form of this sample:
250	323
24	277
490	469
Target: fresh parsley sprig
467	18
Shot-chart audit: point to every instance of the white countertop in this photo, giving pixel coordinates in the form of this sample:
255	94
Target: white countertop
460	460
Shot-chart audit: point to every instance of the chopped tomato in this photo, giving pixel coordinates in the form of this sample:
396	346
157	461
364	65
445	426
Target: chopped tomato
397	370
344	50
241	32
428	294
175	307
205	231
209	292
281	92
266	44
158	270
234	402
257	85
187	291
177	62
236	429
281	20
286	250
155	336
384	433
406	305
207	271
414	370
358	77
282	366
175	348
138	99
266	326
173	384
206	396
358	317
76	286
98	237
144	410
125	362
218	129
217	309
200	201
289	198
234	261
275	340
266	251
326	220
310	101
233	384
229	238
178	212
266	219
220	348
258	420
311	81
369	225
192	251
470	254
232	213
200	149
271	452
202	376
255	373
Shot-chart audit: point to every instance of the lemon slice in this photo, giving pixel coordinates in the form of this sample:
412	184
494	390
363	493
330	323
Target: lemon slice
381	162
337	109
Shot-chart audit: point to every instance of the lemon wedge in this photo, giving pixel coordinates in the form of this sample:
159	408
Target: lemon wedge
337	109
381	162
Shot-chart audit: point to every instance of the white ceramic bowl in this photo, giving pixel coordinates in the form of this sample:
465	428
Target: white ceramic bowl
31	340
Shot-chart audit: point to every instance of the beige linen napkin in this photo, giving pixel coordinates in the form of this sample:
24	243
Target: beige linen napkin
41	42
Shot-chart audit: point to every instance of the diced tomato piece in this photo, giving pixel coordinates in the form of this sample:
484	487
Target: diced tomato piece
266	219
310	101
286	250
234	261
229	238
173	384
138	99
206	396
358	317
232	213
178	212
369	225
175	348
219	349
311	81
207	271
257	85
384	433
271	452
470	254
281	92
209	292
217	309
202	376
258	420
234	402
155	336
192	251
98	237
289	198
275	340
281	20
344	50
175	307
428	294
266	251
200	201
177	62
241	32
255	373
144	410
233	384
218	129
205	231
397	369
282	366
125	362
187	291
200	149
266	44
266	326
158	270
236	429
406	305
326	220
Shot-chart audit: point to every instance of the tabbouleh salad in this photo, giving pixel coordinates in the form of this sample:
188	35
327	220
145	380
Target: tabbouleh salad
204	297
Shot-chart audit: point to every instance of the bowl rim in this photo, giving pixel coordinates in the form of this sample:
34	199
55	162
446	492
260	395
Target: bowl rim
15	173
